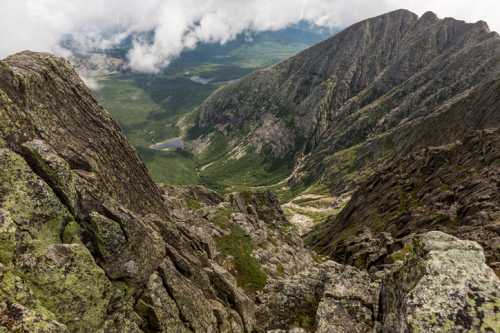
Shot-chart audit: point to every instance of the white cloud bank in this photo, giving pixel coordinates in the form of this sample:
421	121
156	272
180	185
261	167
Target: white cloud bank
180	24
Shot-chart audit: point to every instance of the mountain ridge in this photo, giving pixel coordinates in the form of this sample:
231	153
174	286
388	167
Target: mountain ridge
362	82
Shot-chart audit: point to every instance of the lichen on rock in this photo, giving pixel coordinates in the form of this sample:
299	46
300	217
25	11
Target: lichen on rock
444	286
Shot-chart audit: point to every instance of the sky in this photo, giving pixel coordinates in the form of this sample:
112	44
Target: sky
40	25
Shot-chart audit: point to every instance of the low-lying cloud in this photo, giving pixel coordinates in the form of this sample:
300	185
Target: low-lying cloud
178	25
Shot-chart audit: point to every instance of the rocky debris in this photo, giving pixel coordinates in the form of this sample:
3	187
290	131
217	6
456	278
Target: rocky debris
453	188
307	210
444	286
253	238
190	196
264	205
278	246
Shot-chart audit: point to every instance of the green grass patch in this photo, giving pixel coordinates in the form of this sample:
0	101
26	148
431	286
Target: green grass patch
222	217
170	167
250	170
129	104
264	54
306	319
249	273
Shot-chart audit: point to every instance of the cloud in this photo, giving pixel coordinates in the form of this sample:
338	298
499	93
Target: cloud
89	80
181	24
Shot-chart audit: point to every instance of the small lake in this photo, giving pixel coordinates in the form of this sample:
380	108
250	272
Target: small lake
174	143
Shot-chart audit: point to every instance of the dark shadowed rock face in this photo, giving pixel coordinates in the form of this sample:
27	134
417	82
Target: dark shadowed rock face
86	241
377	75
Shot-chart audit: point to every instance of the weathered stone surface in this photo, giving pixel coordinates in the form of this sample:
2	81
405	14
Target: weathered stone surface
349	302
87	241
224	285
128	247
41	275
444	286
16	318
324	298
53	168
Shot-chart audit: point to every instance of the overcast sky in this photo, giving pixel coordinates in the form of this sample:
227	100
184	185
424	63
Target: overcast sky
39	25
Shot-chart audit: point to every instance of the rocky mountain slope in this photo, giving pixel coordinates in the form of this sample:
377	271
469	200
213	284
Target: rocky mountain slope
453	188
323	107
89	243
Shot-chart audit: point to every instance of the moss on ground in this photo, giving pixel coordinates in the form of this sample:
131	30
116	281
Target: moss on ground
222	217
248	272
305	319
403	253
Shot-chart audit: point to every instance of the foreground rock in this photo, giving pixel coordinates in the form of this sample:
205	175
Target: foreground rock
444	286
325	298
87	243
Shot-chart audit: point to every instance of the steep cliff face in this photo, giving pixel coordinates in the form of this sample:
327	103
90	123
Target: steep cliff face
45	99
87	244
375	76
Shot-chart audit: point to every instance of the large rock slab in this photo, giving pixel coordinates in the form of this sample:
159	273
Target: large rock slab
444	286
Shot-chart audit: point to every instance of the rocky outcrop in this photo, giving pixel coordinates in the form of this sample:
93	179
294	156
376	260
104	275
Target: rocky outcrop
452	188
88	242
328	297
444	286
253	238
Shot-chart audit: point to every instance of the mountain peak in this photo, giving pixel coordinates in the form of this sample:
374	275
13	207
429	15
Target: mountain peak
400	12
396	15
483	25
429	17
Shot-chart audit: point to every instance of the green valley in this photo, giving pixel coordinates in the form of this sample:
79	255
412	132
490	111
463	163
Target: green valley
152	108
